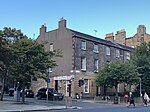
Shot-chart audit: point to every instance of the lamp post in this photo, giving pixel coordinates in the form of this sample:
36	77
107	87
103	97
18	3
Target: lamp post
49	70
74	73
140	88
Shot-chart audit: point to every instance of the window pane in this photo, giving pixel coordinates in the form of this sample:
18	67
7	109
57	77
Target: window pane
86	86
83	63
117	53
51	47
95	49
107	50
83	45
95	65
128	55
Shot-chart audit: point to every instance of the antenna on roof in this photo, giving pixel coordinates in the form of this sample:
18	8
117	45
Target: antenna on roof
95	32
34	35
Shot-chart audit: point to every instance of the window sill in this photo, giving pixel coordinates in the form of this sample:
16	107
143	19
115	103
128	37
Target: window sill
84	70
95	51
83	49
95	71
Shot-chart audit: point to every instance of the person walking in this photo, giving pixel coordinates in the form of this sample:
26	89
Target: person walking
131	99
145	99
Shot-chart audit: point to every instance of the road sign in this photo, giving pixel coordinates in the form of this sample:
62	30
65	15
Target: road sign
48	80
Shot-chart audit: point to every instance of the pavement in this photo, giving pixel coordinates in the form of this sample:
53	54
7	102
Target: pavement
13	106
8	105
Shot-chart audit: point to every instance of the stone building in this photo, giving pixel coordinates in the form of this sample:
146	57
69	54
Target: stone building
140	37
82	54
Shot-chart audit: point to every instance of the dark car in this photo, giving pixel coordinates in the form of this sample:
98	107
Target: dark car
11	91
52	94
27	93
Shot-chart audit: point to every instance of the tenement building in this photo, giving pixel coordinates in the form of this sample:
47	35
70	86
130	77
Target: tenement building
82	55
140	37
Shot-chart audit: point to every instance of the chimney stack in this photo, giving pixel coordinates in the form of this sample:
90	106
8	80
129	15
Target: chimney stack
110	37
141	29
62	23
120	37
43	29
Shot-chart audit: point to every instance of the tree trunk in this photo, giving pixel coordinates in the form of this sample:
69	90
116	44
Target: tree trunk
3	86
23	88
116	88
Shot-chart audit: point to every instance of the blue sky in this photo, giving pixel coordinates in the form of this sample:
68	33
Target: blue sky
105	16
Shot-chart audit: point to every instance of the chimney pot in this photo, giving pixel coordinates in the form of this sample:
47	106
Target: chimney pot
110	37
62	23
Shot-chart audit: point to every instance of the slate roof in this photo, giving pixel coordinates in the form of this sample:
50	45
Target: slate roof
101	41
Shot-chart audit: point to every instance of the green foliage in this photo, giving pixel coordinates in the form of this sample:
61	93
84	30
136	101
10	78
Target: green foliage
23	59
7	35
141	58
117	72
31	60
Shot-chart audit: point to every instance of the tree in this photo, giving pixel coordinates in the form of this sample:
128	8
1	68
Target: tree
141	58
22	59
7	35
31	61
116	72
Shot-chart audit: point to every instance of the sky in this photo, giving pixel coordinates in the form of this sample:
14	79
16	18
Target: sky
86	16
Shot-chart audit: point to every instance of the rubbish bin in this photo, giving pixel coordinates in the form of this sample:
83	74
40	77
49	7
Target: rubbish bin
17	96
115	100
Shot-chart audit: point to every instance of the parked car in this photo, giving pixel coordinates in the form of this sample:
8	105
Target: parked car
11	91
52	94
27	93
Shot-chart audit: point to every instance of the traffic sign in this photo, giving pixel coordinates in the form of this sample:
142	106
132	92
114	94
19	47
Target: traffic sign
48	81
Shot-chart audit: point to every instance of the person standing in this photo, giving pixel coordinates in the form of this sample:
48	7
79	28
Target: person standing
146	99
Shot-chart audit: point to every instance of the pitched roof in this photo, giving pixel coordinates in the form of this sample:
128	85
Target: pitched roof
98	40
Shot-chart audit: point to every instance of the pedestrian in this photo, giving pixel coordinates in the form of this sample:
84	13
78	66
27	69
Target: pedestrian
145	99
126	97
131	99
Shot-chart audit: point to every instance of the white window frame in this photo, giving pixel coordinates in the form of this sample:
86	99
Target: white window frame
83	45
96	65
51	47
132	46
127	55
117	53
95	48
83	64
107	50
86	84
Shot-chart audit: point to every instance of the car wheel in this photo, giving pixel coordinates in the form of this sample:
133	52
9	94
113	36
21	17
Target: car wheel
53	98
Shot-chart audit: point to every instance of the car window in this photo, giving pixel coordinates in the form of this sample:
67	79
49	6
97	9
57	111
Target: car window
29	90
53	90
43	89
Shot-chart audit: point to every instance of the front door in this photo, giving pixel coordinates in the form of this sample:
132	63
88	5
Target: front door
56	85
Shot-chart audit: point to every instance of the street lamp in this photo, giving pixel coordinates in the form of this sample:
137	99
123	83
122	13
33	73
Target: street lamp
140	87
74	73
49	70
